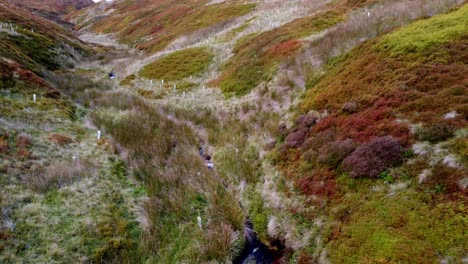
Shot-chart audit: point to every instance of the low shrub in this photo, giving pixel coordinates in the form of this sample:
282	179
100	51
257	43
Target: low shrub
60	139
295	139
435	132
321	183
371	158
333	153
350	107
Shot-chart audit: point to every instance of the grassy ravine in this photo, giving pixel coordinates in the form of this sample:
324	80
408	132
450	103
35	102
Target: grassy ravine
413	212
178	65
180	187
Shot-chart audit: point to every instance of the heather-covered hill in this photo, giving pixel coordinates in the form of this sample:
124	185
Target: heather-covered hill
53	9
152	25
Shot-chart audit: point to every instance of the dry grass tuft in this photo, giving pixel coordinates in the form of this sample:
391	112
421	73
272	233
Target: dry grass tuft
58	175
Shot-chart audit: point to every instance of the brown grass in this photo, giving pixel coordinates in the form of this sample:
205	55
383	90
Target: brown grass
58	175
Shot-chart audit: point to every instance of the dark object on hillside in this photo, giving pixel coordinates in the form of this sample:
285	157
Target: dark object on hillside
305	121
207	158
111	75
201	151
350	107
371	158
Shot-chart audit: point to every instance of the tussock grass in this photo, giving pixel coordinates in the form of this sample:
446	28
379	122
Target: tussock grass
58	175
178	65
162	153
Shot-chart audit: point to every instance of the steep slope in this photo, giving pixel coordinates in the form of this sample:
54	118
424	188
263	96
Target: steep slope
58	181
53	9
152	25
36	42
393	111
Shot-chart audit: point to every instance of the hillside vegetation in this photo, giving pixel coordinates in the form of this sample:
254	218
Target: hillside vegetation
303	131
397	90
152	25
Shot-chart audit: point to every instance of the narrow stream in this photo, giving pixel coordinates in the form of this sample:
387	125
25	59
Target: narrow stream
254	250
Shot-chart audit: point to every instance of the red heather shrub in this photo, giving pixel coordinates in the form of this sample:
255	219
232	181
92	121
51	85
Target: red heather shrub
333	153
283	49
321	183
325	123
305	121
295	139
371	158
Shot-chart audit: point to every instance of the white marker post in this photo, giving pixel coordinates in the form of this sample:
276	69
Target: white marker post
34	97
199	222
183	94
237	151
99	135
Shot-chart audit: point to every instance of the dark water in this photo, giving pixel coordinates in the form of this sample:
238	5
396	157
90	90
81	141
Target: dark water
254	250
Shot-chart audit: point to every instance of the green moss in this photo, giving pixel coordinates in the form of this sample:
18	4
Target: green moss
402	228
178	65
425	36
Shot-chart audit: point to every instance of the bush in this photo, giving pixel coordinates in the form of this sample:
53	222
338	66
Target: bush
333	153
350	107
295	139
371	158
435	133
305	121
